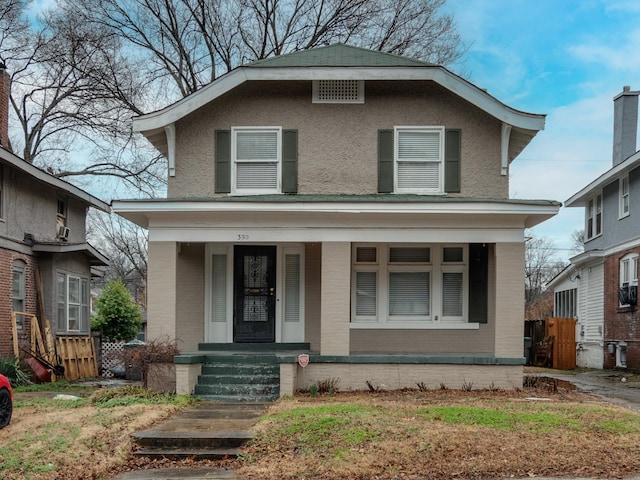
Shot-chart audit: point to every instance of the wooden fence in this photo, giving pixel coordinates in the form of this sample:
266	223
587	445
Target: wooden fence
564	345
78	355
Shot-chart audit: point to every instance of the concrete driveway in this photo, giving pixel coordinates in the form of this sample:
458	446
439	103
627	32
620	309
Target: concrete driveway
610	385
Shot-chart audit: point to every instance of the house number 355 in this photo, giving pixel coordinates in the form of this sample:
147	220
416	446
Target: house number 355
242	236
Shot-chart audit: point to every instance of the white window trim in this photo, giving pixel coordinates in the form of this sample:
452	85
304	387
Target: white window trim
436	267
593	219
20	267
407	128
628	273
624	181
234	161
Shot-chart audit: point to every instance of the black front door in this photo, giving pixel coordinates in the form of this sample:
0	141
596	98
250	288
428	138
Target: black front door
254	294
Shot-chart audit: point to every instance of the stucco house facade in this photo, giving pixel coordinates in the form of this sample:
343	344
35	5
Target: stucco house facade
349	202
42	229
600	286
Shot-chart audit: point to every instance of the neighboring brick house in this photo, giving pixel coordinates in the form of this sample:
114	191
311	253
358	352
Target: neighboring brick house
42	228
350	202
600	287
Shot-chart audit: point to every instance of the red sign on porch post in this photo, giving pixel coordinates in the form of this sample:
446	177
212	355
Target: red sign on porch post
303	360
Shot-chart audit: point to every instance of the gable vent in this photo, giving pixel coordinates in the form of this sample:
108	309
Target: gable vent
338	91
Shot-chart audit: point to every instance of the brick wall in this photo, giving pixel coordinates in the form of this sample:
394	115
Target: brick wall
620	324
7	258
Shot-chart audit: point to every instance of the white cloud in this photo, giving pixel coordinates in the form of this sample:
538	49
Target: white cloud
622	56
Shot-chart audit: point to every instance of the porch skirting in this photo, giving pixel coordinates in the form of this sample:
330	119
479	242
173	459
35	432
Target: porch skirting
384	372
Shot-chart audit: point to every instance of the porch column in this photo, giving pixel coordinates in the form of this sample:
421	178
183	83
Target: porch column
161	291
335	298
509	331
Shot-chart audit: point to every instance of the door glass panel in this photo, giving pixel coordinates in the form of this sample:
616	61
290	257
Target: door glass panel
256	294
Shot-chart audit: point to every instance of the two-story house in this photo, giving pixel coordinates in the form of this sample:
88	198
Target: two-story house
352	203
42	229
600	287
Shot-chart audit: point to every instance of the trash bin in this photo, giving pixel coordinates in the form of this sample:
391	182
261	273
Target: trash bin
131	371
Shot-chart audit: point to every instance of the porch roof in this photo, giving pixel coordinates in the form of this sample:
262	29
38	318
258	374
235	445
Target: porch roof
527	213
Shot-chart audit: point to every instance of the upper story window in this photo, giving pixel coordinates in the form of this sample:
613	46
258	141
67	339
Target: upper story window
623	189
629	280
256	154
419	157
594	216
338	91
419	160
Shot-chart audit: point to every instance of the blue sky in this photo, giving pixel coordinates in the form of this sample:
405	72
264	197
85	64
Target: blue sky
563	58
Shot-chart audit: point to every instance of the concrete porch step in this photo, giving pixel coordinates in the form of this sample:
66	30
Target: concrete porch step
182	453
240	398
205	431
257	378
247	389
239	369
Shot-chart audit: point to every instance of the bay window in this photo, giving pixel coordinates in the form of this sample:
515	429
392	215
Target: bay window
73	303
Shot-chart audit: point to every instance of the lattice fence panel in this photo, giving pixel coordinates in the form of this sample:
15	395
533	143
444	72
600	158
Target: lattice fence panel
111	358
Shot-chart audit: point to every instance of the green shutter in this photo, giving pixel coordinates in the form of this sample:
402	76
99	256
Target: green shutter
452	157
385	161
289	161
223	161
478	282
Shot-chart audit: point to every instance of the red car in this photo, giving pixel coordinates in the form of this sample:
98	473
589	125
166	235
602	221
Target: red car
6	401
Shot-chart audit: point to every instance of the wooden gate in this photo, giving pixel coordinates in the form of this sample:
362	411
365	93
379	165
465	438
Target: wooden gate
564	343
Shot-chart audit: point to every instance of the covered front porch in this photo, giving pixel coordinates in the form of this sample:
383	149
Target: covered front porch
388	293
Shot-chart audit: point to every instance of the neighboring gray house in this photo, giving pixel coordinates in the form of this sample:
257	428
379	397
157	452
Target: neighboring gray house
353	204
600	288
42	228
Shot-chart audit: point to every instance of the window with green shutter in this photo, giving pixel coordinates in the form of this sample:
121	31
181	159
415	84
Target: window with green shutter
421	160
256	160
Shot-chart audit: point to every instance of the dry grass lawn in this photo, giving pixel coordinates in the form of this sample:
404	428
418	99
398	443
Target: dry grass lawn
383	435
445	434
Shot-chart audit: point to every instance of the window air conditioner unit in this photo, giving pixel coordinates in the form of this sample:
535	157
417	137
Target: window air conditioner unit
623	294
63	233
633	295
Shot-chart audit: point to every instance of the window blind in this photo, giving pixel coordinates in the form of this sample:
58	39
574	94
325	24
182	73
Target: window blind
409	293
219	288
366	294
452	294
292	288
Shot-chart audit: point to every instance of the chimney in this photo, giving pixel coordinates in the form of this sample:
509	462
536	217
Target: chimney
625	124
